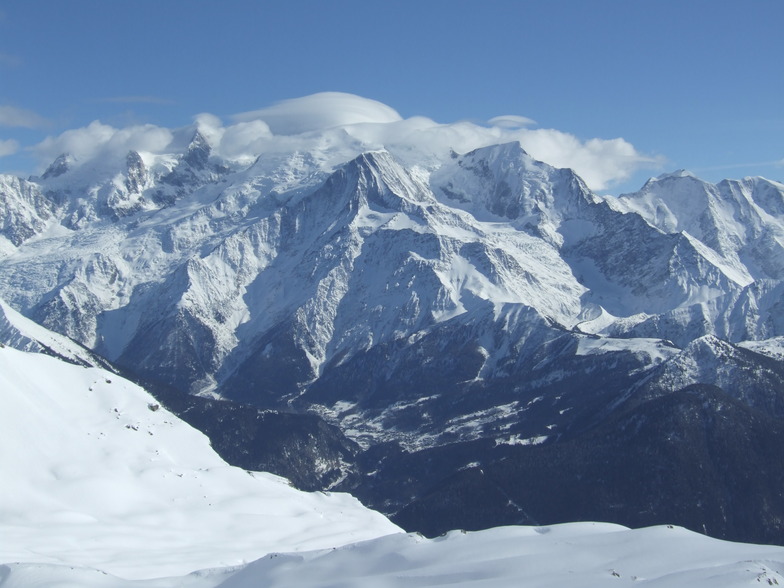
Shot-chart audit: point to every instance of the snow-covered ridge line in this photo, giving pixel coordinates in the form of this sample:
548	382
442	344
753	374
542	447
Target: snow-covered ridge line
21	333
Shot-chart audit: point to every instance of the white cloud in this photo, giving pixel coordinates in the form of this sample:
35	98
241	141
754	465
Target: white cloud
319	112
11	116
511	121
340	126
600	162
245	139
210	126
100	140
8	147
140	138
135	100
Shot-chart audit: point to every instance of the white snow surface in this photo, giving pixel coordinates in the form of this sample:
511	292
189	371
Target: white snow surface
771	347
655	350
589	555
96	474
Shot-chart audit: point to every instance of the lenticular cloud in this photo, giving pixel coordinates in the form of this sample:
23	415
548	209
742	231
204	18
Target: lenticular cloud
8	147
345	125
320	112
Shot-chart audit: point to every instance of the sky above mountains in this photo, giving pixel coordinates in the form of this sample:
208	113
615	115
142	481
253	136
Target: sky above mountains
624	90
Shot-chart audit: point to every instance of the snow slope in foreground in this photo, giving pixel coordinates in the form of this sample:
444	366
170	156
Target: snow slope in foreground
94	473
588	555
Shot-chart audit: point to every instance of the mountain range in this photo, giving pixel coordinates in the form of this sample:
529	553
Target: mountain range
462	340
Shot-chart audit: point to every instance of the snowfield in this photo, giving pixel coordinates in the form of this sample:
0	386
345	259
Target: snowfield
102	487
95	473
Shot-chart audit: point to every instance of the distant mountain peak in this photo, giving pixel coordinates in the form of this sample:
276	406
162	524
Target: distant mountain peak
58	167
674	175
137	172
679	173
198	153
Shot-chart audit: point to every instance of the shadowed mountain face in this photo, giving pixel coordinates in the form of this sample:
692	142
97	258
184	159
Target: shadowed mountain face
487	340
694	456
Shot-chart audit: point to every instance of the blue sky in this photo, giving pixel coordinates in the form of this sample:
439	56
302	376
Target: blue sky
690	84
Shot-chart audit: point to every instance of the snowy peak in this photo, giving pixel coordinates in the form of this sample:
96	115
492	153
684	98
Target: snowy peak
198	153
742	374
501	160
767	194
380	179
673	202
502	182
136	174
679	173
194	168
739	221
58	167
24	211
502	179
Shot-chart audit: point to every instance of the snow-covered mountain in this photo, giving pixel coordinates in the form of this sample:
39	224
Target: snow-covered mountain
416	298
195	275
21	333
